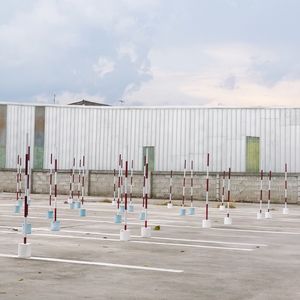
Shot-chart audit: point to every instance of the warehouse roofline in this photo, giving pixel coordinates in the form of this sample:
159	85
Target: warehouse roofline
107	106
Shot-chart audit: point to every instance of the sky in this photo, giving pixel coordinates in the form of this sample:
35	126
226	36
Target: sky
151	52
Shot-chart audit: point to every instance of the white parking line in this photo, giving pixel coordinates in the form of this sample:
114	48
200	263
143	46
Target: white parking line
132	241
164	225
91	263
257	231
158	238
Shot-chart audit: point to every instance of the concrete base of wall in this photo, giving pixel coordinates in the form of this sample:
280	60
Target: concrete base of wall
244	187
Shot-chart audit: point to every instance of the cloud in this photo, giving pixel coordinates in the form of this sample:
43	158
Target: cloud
226	74
103	66
77	47
150	51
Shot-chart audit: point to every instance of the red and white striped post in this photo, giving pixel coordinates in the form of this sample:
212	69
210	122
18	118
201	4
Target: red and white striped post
206	222
192	183
82	211
125	233
17	177
55	224
50	210
125	194
192	208
71	200
228	219
50	181
122	205
146	230
222	206
131	207
20	181
18	204
118	215
144	181
268	214
24	249
77	203
182	210
142	213
119	183
82	185
114	186
170	204
55	190
259	214
285	210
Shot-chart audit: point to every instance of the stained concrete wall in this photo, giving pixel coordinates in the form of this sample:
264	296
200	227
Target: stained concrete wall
244	187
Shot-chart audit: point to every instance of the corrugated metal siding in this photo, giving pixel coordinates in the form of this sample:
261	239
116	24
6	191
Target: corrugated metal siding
177	133
20	121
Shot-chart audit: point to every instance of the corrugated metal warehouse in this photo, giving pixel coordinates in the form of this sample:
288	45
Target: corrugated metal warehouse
245	139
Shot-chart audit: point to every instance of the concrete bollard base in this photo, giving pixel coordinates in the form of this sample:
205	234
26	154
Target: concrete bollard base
268	215
285	211
191	211
118	219
26	228
82	212
182	211
55	226
24	250
77	204
122	208
146	232
169	205
227	221
124	235
50	214
206	224
142	216
17	208
259	216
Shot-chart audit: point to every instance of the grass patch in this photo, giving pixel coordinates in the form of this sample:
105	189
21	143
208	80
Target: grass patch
163	203
106	201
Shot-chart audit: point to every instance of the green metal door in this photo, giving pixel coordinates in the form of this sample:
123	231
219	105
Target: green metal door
252	154
150	157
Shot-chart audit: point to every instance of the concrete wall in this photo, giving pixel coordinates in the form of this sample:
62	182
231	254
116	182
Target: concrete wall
244	187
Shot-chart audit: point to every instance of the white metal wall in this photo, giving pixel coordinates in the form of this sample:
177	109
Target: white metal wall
20	121
177	133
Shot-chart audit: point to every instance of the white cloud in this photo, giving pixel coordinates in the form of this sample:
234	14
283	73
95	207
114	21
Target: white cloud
196	52
103	66
129	51
227	75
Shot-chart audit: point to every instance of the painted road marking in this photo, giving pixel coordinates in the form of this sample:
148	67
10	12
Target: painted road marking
133	241
91	263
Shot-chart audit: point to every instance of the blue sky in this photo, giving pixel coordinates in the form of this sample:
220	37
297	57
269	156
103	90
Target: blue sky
151	52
